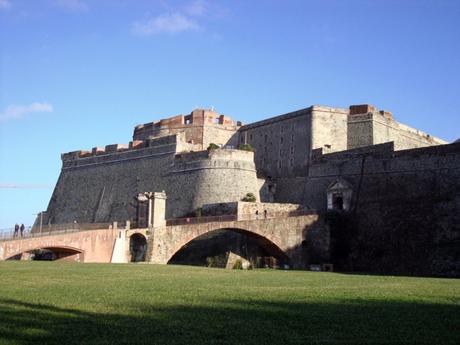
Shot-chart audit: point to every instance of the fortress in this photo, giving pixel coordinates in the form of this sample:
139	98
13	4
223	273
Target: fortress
388	194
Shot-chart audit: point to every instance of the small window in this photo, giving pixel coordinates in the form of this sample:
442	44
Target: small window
188	121
279	164
292	137
292	150
281	153
291	162
250	136
265	138
281	140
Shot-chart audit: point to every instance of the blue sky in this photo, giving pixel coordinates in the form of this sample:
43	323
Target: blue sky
78	73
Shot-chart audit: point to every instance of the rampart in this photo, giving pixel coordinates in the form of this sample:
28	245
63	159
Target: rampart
102	185
369	126
404	205
213	176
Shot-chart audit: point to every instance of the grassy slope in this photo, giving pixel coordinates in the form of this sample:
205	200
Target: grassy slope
61	303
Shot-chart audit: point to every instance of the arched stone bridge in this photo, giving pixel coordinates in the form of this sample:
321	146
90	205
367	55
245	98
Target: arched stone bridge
286	234
83	245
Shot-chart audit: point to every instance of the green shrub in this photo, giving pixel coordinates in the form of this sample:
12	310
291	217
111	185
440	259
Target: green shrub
217	261
213	146
246	147
249	197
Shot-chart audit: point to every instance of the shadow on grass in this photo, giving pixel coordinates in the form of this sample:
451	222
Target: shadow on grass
234	322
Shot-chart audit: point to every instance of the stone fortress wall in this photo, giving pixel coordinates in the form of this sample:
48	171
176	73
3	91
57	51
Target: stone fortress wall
101	185
405	203
283	144
407	189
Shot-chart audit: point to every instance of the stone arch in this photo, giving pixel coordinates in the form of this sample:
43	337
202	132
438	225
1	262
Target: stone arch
273	247
60	252
137	247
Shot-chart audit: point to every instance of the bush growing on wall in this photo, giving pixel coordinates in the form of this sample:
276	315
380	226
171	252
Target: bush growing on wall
249	197
246	147
213	146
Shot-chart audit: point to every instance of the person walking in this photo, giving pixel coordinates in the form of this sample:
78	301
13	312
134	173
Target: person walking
22	229
16	229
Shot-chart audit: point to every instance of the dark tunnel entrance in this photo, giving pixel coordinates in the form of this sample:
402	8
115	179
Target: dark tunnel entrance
223	248
137	247
50	254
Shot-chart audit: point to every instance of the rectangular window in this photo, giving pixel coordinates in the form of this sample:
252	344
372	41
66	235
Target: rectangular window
281	140
291	162
265	138
250	137
292	137
292	150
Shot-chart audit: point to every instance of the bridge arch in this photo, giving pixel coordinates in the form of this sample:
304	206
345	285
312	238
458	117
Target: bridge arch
266	244
59	252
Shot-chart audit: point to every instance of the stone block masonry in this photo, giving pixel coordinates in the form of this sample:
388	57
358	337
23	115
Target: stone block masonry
399	183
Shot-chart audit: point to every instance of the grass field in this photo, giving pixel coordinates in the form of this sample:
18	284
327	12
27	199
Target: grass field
63	303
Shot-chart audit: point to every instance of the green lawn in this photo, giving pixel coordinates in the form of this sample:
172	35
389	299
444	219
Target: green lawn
64	303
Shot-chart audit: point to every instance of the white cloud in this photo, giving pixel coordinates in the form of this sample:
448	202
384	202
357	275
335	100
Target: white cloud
166	23
185	18
19	111
196	8
4	4
71	5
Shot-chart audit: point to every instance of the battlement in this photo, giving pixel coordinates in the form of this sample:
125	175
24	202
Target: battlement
197	118
134	149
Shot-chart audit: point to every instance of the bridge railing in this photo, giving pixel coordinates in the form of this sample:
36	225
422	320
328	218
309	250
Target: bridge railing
235	217
196	220
51	229
271	215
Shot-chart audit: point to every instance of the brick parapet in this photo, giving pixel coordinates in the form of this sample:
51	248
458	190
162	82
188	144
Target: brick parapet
121	152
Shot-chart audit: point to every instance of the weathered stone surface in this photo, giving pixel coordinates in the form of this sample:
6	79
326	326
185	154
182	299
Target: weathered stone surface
287	233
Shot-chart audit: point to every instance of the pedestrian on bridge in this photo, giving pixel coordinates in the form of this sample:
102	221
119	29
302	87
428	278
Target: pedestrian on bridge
22	229
16	229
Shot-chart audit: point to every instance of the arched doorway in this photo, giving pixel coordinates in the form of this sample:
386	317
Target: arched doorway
137	247
223	247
